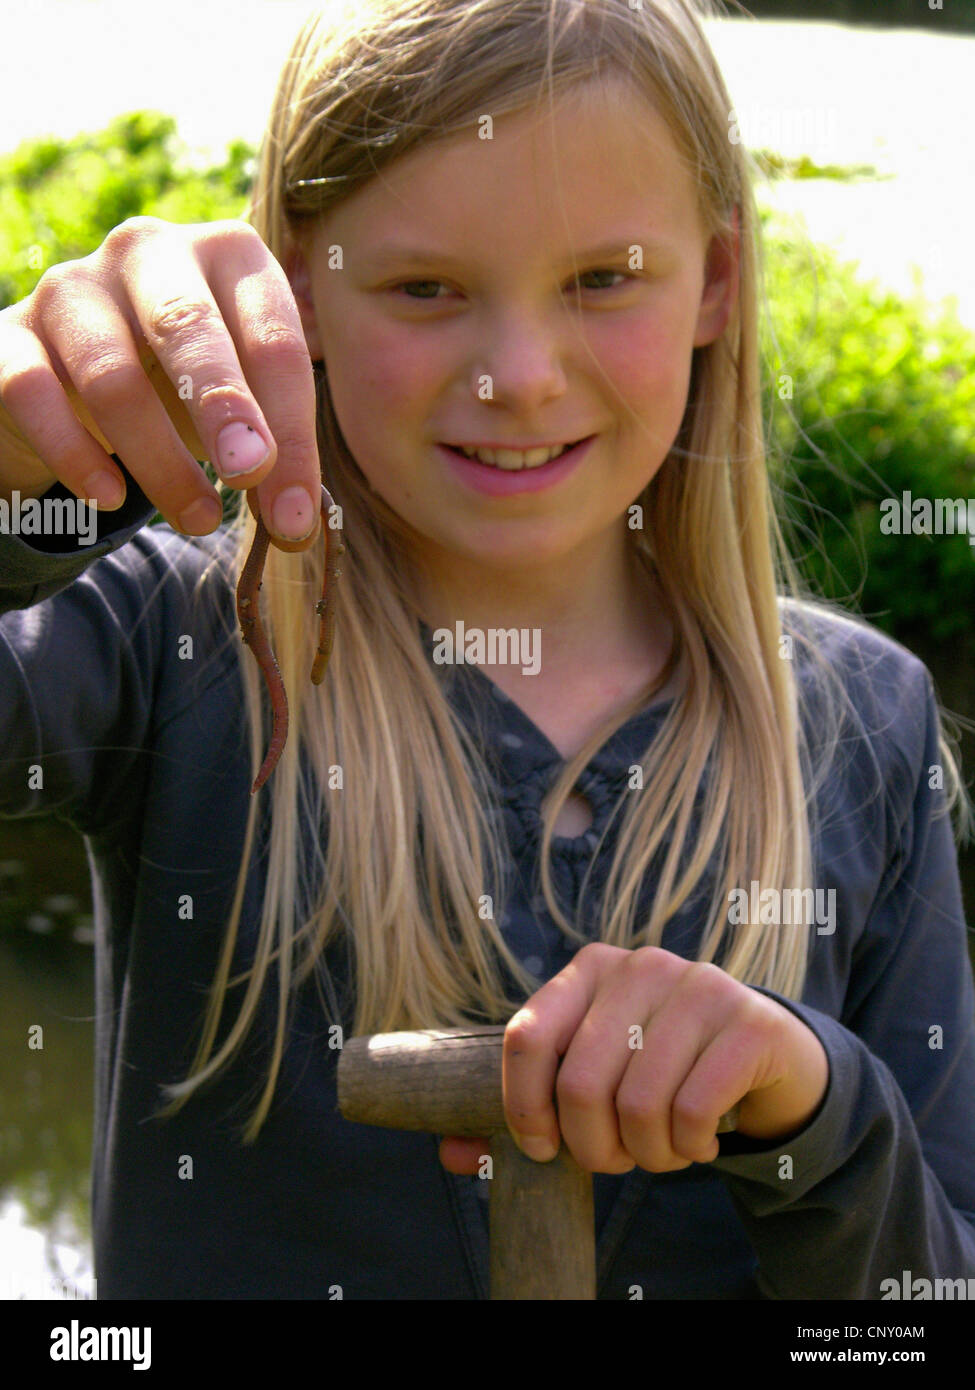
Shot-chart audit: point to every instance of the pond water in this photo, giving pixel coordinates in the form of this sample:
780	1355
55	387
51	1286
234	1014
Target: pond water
833	93
46	1061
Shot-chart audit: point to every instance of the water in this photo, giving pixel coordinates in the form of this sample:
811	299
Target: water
46	1061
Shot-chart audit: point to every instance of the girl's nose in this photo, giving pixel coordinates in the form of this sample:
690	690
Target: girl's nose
520	365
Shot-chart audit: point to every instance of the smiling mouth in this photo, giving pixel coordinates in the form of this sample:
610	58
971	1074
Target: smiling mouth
513	460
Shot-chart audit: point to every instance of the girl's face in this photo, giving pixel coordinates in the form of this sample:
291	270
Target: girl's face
454	317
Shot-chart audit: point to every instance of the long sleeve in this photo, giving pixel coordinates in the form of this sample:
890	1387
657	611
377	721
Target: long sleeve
85	659
878	1190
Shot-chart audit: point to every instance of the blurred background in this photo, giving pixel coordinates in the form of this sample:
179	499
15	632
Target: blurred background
858	116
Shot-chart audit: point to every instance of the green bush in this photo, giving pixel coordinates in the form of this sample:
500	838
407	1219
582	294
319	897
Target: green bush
883	398
59	199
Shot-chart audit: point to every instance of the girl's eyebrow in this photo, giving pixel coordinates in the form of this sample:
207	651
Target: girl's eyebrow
412	255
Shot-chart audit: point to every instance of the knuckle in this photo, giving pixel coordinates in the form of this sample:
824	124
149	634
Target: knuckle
292	443
578	1088
756	1027
232	237
233	229
126	234
281	345
230	394
712	980
180	318
69	453
596	951
653	960
690	1111
106	382
524	1033
21	386
50	287
634	1111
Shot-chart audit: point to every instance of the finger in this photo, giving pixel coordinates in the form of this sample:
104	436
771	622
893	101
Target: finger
664	1122
601	1052
291	547
102	367
176	313
34	398
718	1080
534	1042
258	306
463	1155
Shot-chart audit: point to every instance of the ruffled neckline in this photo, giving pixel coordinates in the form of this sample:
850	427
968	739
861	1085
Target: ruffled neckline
526	763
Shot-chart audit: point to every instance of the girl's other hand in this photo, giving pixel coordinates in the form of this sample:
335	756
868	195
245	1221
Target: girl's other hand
654	1050
172	343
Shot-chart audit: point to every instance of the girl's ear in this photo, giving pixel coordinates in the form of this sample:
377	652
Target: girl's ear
296	269
721	280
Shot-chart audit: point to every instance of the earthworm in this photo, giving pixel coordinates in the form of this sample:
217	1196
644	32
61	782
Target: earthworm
253	634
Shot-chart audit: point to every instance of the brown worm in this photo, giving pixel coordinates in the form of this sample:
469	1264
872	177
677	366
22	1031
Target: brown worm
252	628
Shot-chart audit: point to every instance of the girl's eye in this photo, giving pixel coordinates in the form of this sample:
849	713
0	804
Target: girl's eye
407	286
411	284
618	273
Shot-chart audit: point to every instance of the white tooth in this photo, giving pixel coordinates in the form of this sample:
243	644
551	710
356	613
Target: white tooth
520	458
513	460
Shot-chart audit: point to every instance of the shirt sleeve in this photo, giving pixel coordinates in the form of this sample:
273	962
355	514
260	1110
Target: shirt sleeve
35	567
88	647
878	1190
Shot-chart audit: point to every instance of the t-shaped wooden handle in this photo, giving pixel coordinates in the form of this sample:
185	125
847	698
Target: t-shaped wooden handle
448	1081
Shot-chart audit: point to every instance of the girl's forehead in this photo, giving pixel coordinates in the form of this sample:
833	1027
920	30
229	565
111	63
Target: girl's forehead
600	142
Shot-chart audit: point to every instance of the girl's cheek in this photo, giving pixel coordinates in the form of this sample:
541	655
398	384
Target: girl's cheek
377	377
649	365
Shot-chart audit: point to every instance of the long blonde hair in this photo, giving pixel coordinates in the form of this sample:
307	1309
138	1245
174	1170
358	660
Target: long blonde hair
378	765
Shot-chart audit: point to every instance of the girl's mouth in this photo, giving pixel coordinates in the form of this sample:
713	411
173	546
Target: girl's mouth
513	460
515	471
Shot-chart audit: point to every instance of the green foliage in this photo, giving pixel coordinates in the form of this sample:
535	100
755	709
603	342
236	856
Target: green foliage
779	166
59	199
883	398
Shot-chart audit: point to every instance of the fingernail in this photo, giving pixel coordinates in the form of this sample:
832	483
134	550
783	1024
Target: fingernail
106	488
294	514
541	1150
240	449
201	517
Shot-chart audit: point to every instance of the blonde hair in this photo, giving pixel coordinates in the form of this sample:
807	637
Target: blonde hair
377	759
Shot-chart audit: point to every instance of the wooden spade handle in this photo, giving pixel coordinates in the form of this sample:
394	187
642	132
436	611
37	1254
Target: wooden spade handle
541	1225
448	1081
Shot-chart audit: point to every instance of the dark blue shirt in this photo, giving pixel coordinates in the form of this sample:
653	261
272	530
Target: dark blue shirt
143	750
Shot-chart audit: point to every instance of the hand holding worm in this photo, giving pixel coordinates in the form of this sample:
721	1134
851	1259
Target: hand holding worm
146	308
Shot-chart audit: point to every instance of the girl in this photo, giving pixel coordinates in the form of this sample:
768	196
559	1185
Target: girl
700	858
